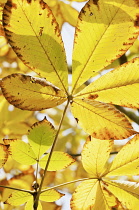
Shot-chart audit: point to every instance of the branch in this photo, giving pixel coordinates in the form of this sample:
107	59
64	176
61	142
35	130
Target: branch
50	154
14	188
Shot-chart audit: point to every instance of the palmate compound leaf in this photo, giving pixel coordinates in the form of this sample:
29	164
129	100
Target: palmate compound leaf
90	194
3	154
30	93
105	30
100	193
101	120
59	160
41	136
38	42
119	86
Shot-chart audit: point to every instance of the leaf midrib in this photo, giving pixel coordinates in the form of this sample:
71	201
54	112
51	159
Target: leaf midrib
94	49
117	124
45	52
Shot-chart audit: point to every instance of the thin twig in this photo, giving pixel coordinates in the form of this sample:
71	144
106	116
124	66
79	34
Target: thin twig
50	155
13	188
66	183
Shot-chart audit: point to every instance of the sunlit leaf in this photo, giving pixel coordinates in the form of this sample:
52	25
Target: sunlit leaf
85	195
21	182
95	155
22	152
106	200
38	44
25	92
3	154
101	120
29	204
59	160
122	82
127	192
41	137
127	160
63	12
105	30
18	197
50	195
69	14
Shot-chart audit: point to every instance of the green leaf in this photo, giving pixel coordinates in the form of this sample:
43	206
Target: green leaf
25	92
38	44
21	152
41	137
59	160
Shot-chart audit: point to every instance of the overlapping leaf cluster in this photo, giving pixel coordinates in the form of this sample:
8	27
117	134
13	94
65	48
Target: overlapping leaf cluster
104	31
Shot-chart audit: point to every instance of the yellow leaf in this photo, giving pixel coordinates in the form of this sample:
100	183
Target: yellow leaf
122	82
126	161
69	14
106	200
105	30
101	120
95	155
29	204
50	195
18	197
126	192
63	12
85	195
38	44
41	137
3	154
26	92
59	160
22	152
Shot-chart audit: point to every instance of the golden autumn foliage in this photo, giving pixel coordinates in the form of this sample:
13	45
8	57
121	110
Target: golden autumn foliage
103	98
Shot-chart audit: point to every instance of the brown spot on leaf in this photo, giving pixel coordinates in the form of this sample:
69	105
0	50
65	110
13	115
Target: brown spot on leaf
91	96
136	23
96	3
77	120
41	30
83	11
14	6
29	1
43	4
